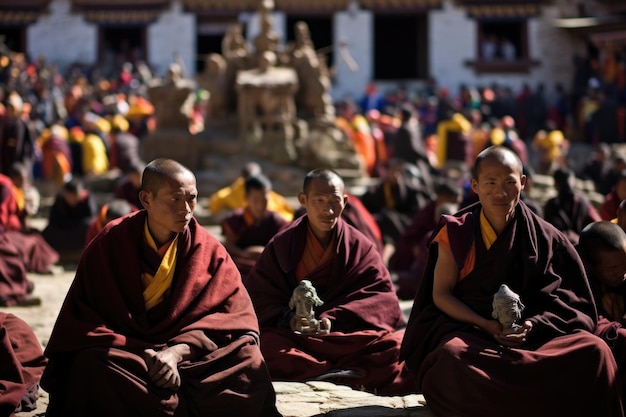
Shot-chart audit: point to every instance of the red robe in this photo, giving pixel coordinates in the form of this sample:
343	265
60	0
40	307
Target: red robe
21	365
36	254
95	350
359	299
15	286
463	371
251	232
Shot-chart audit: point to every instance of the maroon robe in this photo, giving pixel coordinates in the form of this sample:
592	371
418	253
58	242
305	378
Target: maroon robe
256	234
95	350
15	286
36	254
21	365
359	300
563	369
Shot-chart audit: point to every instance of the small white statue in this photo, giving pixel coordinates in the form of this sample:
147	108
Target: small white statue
507	309
303	299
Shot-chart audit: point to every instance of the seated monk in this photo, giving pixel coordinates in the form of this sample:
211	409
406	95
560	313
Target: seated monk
157	321
234	196
35	253
355	214
602	248
108	212
15	287
21	365
130	184
73	209
459	353
358	341
248	230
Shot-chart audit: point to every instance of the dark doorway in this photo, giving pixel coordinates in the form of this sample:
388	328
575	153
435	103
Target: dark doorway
119	44
14	38
321	28
400	47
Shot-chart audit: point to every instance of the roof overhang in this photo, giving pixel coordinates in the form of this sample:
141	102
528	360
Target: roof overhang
313	6
22	12
598	30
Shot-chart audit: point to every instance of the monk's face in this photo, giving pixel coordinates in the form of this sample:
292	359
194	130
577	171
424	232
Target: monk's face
171	208
610	267
498	186
323	203
256	201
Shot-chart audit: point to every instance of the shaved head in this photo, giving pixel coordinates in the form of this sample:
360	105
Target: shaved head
159	171
324	174
600	236
500	154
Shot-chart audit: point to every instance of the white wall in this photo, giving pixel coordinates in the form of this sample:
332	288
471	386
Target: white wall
453	42
62	37
174	33
356	28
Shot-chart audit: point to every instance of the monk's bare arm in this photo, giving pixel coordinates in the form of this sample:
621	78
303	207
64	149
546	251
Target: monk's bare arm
445	279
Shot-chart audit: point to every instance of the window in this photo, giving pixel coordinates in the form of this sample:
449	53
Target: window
502	47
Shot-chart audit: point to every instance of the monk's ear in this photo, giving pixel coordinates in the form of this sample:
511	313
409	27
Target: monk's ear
523	181
345	199
145	198
302	199
474	185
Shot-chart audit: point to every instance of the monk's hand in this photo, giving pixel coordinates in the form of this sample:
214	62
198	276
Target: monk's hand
325	326
163	367
517	337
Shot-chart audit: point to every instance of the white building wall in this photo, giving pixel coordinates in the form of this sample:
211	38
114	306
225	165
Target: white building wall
174	34
63	38
356	29
453	41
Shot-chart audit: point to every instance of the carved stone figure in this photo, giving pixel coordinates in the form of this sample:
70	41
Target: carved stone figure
314	97
266	95
172	99
303	299
213	79
267	39
507	308
233	43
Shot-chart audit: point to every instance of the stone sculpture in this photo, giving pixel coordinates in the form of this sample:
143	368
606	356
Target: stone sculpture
507	308
172	99
303	299
213	79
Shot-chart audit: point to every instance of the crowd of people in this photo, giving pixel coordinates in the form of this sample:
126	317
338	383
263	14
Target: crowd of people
163	313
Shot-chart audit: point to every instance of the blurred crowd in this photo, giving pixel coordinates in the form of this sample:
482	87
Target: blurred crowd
418	144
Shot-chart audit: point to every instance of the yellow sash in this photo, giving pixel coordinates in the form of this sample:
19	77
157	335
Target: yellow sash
20	199
489	235
156	286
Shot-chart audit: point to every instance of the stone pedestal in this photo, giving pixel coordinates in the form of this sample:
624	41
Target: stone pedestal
176	144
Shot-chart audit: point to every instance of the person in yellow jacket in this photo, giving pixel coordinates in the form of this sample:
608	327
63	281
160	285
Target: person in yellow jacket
234	195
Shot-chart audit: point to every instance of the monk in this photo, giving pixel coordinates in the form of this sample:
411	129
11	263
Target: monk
234	196
157	321
602	248
110	211
358	340
34	252
247	231
21	365
71	213
465	362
